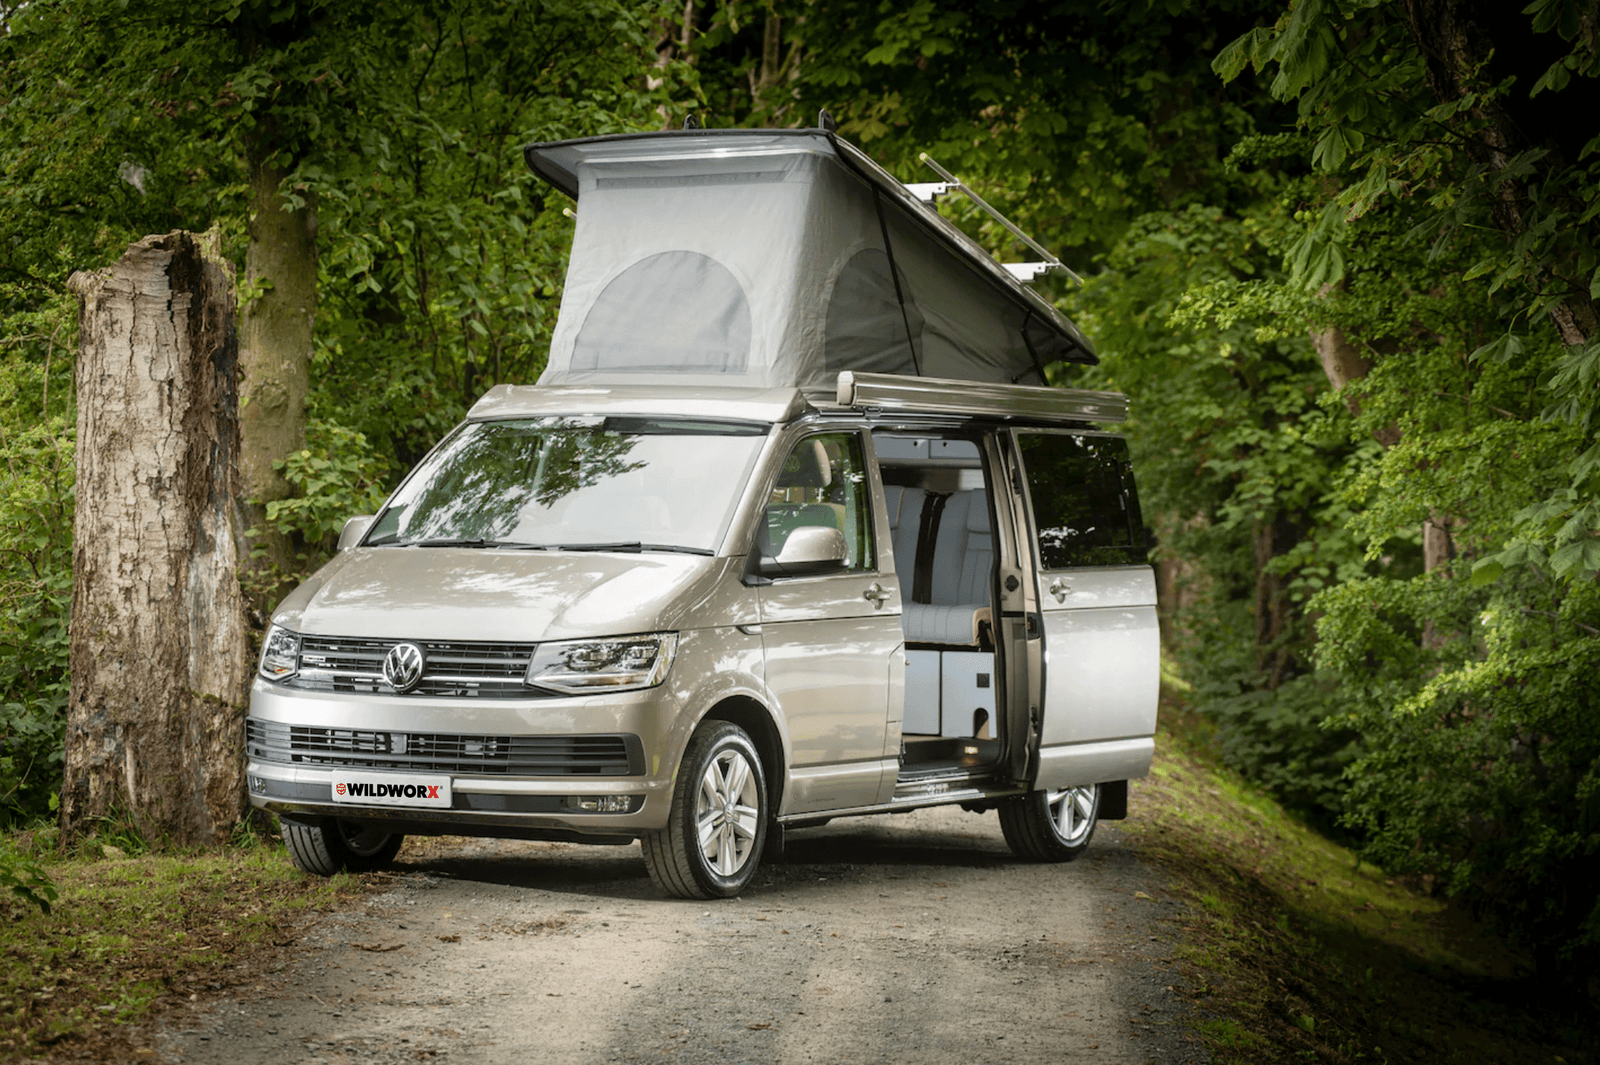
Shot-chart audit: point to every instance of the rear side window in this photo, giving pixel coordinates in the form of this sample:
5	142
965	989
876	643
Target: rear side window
1085	509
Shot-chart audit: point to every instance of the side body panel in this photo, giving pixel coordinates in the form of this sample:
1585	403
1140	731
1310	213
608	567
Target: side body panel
829	665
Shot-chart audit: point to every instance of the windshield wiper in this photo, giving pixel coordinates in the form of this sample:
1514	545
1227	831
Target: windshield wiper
631	546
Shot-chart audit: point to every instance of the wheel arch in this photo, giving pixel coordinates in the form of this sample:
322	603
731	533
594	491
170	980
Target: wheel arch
763	731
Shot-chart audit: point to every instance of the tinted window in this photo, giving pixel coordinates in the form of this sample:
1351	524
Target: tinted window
1084	504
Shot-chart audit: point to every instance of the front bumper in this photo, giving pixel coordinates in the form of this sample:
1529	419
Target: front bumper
300	741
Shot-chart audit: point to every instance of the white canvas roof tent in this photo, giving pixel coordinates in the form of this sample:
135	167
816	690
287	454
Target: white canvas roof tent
767	258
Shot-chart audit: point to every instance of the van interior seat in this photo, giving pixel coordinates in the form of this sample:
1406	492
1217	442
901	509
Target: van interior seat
963	550
962	557
808	473
905	518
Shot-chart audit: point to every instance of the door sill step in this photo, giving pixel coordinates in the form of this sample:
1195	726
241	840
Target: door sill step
947	782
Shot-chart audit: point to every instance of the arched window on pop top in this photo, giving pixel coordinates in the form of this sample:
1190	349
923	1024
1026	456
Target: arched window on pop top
674	311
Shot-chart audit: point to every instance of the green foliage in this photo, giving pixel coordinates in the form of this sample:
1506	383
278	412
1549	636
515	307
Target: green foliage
1449	240
337	476
24	878
1481	756
1478	149
1288	739
36	506
1235	452
440	263
1072	117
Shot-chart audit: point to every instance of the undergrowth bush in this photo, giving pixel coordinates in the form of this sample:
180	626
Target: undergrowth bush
336	476
1288	741
37	436
1481	761
23	877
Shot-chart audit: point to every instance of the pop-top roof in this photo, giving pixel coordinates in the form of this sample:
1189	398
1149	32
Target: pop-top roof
764	258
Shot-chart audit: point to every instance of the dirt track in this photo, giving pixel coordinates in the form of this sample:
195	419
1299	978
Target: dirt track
914	938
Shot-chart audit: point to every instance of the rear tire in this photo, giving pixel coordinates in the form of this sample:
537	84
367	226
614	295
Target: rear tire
1051	826
335	846
717	826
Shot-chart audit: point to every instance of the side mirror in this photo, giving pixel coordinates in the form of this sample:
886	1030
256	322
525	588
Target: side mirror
809	550
354	530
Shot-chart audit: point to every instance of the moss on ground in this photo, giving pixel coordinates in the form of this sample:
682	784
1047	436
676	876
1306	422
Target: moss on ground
128	932
1299	952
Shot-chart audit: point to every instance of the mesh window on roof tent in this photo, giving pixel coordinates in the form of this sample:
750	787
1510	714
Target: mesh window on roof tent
676	310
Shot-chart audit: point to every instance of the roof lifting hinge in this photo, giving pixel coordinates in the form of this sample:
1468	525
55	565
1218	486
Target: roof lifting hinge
929	192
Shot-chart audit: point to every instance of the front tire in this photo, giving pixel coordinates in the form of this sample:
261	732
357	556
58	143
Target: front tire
717	826
335	846
1051	826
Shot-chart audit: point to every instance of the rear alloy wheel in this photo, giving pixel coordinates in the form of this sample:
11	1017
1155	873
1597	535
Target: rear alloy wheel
335	846
717	826
1051	826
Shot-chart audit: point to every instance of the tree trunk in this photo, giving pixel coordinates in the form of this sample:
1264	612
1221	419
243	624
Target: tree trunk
274	353
160	662
1342	363
1271	607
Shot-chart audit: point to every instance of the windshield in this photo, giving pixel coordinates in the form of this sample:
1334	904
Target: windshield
620	484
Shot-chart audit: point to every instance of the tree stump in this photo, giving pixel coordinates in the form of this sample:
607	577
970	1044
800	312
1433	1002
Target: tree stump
160	659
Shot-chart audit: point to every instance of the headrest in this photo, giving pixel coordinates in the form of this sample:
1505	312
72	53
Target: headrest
891	501
977	511
807	467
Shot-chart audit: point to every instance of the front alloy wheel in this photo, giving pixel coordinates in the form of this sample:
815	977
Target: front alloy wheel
718	822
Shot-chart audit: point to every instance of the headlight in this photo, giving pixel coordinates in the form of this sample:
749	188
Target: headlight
623	664
280	654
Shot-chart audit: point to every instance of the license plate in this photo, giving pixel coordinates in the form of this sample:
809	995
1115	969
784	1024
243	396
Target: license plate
391	789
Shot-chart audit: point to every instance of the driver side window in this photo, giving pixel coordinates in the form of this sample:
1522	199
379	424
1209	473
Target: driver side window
823	482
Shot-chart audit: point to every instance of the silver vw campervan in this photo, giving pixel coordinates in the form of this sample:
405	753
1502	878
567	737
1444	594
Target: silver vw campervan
778	537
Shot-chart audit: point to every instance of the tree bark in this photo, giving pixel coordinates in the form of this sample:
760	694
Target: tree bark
274	352
160	662
1342	362
1271	607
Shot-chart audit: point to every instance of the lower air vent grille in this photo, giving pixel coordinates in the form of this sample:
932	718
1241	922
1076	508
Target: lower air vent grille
444	752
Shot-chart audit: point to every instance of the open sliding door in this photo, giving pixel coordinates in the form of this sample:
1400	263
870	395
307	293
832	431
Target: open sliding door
1097	608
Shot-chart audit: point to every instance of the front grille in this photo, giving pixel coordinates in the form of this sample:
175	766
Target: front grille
447	752
452	670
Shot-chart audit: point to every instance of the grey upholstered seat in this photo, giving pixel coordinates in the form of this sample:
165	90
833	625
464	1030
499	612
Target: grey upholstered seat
962	557
905	518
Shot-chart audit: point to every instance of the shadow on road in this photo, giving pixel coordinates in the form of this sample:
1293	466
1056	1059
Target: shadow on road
813	859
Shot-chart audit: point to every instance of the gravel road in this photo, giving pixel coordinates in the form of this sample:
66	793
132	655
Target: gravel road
908	938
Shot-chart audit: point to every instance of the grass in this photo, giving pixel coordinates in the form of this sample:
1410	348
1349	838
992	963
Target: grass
126	933
1298	952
